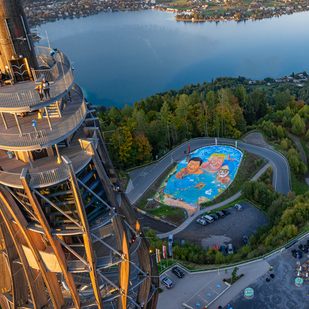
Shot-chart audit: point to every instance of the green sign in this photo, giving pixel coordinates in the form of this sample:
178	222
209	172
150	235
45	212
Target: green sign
249	292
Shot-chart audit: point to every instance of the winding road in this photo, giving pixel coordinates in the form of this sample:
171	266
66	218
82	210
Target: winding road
144	177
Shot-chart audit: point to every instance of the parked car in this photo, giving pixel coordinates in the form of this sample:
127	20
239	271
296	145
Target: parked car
245	239
238	207
167	282
178	272
222	249
220	214
214	216
209	219
170	239
230	249
201	221
226	212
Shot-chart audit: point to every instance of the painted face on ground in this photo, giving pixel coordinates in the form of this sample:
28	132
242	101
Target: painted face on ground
215	163
193	167
223	171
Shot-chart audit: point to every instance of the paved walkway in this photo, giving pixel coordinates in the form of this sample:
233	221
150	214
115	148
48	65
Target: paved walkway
302	152
195	287
251	272
198	212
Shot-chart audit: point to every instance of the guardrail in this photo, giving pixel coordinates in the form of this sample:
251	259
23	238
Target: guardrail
45	137
30	98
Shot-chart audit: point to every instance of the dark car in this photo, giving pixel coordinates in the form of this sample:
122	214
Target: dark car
220	214
214	216
226	212
178	272
223	250
245	239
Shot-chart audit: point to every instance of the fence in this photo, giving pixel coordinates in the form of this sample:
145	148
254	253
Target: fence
45	137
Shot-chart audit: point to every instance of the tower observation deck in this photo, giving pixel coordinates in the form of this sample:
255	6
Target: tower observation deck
68	235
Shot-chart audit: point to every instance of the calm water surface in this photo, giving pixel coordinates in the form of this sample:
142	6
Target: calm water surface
123	57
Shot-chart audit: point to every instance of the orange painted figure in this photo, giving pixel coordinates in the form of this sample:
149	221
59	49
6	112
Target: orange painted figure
215	162
192	168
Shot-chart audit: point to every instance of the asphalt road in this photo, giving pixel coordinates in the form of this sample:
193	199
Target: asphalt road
143	178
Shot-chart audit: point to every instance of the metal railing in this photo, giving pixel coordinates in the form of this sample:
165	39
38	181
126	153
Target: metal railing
46	137
50	177
56	175
49	74
29	98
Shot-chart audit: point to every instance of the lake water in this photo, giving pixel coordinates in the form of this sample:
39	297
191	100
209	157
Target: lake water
123	57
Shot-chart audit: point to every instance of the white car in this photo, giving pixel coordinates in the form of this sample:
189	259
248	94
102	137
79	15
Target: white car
167	282
201	221
238	207
230	249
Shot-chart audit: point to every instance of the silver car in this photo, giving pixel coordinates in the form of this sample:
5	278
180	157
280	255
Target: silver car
230	249
201	221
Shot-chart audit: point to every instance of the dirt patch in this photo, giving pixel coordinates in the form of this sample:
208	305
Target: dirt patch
256	139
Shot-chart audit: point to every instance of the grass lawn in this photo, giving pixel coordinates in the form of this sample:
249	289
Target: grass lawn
298	186
177	1
164	212
238	200
305	146
249	166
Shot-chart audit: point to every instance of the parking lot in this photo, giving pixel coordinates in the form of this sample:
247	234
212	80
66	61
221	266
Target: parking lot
229	229
195	290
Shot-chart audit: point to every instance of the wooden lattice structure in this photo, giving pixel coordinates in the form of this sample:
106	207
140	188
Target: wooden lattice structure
68	235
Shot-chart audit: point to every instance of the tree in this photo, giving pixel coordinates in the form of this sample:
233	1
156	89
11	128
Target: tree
234	274
280	132
163	116
298	125
143	148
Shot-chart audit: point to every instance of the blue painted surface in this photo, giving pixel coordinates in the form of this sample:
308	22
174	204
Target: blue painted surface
192	188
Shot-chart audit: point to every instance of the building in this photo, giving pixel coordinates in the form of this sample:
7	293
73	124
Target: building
68	235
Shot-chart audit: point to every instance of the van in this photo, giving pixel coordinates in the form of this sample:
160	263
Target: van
170	239
209	219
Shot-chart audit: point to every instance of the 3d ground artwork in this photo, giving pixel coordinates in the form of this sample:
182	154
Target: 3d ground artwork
200	177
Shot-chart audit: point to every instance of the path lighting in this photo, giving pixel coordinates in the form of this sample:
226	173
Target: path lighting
39	115
59	161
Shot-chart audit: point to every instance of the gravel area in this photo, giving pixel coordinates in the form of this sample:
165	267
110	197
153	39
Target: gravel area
256	139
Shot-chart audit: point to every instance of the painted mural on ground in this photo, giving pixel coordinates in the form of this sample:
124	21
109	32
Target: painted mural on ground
207	173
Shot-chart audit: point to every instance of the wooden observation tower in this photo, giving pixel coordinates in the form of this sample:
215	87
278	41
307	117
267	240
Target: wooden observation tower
68	235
